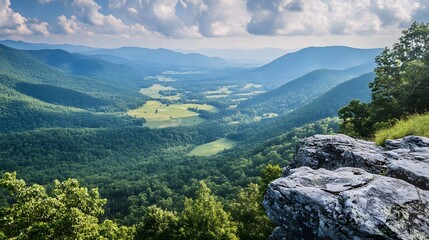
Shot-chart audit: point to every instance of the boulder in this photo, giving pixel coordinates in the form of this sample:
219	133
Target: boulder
335	151
346	203
338	187
406	159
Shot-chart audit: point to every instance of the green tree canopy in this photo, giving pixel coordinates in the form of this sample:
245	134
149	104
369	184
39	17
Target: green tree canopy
68	212
268	174
158	224
248	212
205	219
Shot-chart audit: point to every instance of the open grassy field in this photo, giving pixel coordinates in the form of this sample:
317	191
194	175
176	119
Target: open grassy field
159	115
213	148
153	92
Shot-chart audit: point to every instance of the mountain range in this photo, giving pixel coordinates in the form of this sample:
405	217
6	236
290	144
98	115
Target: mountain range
293	65
130	55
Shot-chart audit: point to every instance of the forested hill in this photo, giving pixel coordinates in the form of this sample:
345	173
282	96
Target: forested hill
35	95
293	65
302	90
83	65
327	105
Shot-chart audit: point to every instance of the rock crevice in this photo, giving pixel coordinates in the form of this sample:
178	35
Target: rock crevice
341	188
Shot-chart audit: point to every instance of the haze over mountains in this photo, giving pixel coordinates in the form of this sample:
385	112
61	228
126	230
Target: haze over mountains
251	58
141	56
294	65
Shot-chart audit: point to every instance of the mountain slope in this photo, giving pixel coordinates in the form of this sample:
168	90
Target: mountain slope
40	46
35	95
83	65
303	89
162	56
322	107
329	103
293	65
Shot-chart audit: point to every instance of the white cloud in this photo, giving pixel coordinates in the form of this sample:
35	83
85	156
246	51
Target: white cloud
318	17
13	23
39	28
186	18
90	21
88	12
68	26
193	19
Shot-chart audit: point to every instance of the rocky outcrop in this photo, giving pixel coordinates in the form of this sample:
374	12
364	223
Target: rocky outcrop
406	159
341	188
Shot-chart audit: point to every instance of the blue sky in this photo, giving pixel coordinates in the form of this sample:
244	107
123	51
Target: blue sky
191	24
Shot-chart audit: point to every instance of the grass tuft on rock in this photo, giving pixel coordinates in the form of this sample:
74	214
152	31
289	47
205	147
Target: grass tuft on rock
414	125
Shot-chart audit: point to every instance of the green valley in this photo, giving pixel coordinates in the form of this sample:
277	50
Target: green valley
140	143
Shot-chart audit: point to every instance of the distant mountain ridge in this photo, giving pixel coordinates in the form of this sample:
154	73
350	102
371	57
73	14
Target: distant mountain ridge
162	56
134	54
40	46
293	65
243	57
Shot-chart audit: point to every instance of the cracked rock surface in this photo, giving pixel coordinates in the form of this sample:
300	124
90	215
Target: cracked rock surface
341	188
406	158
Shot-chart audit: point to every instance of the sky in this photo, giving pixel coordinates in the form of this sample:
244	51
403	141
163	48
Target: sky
192	24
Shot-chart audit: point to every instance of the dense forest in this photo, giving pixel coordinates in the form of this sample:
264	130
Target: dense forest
75	165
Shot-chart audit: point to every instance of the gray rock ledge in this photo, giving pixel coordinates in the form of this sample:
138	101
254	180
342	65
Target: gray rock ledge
338	187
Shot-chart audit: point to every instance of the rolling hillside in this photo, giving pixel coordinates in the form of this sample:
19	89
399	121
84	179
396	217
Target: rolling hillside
294	65
327	105
35	95
83	65
303	89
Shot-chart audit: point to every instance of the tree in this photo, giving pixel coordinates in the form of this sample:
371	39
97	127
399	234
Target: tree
158	224
356	119
249	214
401	87
268	174
68	212
205	219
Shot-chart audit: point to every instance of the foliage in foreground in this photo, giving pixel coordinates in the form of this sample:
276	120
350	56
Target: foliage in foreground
70	211
67	212
401	87
414	125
